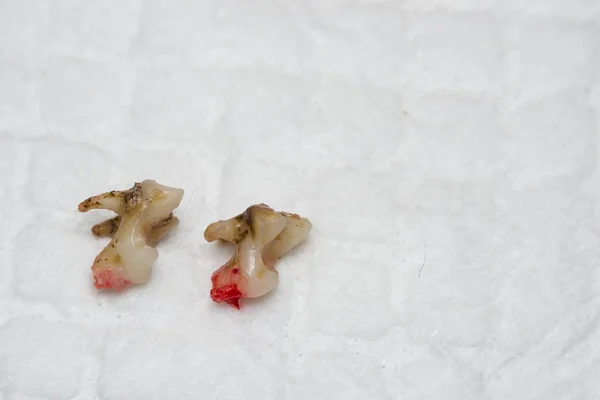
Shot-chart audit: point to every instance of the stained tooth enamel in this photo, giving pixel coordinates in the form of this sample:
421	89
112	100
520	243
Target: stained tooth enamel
262	236
144	217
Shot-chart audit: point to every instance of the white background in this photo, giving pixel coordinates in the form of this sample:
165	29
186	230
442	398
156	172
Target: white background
463	129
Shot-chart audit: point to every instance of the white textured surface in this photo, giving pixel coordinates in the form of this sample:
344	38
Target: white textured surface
467	126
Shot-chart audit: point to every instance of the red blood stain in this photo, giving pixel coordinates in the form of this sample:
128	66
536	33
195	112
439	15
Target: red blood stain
228	294
235	271
105	280
234	302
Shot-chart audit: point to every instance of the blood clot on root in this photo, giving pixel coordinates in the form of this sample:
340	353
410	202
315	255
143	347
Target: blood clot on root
106	280
227	294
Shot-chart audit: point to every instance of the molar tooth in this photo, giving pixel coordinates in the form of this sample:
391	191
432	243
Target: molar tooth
262	236
144	217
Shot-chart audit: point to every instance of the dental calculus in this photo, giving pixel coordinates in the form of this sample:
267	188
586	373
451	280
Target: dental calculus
262	236
144	217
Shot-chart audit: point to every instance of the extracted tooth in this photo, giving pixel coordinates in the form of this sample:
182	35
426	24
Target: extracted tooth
145	216
262	236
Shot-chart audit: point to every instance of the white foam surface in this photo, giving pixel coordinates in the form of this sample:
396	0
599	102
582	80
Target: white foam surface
464	130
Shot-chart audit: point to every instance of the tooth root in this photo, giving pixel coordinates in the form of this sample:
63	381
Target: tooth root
232	230
295	232
161	229
112	201
107	228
